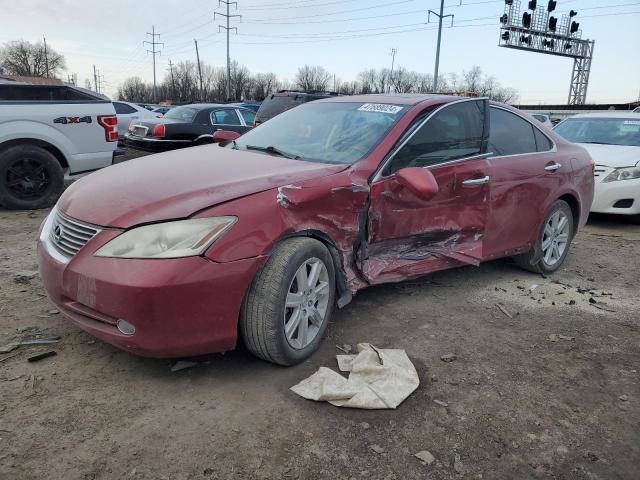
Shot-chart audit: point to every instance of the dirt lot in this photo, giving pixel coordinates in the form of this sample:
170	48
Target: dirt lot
553	392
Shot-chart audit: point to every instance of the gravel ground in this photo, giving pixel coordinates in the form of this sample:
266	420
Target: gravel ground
546	383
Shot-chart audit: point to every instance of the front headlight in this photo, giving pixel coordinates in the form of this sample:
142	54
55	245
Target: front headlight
182	238
627	173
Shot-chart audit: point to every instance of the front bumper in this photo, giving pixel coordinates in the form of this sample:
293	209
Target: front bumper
179	307
154	144
607	195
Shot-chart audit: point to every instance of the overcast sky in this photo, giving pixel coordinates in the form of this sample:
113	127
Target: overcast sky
343	36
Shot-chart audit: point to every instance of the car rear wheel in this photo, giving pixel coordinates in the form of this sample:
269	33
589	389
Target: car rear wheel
29	177
289	303
552	246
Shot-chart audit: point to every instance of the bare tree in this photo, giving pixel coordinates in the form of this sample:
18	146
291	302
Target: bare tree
29	59
134	89
367	79
313	78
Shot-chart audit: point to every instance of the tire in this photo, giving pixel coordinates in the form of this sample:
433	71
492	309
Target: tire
30	177
265	311
536	260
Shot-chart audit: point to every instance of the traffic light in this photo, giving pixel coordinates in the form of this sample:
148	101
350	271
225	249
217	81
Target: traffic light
574	27
573	13
567	46
548	43
504	19
525	39
526	20
508	2
553	23
505	36
533	4
551	6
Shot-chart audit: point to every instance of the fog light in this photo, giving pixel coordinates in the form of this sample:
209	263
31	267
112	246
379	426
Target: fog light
126	327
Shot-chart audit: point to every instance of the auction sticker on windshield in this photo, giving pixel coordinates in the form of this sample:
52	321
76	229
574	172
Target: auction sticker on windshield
380	107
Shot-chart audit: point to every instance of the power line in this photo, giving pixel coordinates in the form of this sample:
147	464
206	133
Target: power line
153	51
228	17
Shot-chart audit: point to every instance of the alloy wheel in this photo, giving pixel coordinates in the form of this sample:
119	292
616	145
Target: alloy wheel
307	303
555	237
27	179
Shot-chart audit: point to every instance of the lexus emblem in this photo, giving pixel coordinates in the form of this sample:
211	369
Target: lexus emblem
57	232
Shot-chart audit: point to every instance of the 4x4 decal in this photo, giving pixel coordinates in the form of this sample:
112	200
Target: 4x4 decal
65	120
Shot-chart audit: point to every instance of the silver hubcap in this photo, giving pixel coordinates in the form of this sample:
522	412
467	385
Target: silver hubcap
307	303
555	238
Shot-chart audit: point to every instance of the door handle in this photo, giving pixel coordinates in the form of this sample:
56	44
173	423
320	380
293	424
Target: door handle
553	167
477	181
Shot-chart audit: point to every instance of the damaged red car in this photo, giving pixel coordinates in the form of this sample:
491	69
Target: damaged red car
190	251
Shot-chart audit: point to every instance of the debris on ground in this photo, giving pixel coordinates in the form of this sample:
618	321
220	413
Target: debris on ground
376	448
449	357
25	277
41	356
425	456
25	329
457	464
345	347
378	379
623	398
504	310
441	403
40	341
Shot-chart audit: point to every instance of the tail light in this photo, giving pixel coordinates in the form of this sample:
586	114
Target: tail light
110	125
158	131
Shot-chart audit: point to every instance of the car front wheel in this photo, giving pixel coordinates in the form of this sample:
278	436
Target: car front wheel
552	245
289	303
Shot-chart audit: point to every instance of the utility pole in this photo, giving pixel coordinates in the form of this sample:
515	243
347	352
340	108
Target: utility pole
95	78
173	83
440	16
393	61
100	81
227	28
46	57
153	51
199	70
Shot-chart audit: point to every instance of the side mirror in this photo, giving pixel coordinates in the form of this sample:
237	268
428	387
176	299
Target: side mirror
224	136
418	181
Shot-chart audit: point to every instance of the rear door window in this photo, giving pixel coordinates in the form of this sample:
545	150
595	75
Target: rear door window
248	116
510	134
224	117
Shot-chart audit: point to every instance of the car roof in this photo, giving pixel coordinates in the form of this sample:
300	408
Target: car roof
609	114
204	106
394	98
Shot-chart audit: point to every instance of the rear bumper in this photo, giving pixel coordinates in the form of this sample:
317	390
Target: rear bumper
179	307
154	144
608	197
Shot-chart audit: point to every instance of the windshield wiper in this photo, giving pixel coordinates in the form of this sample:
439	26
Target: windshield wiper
599	143
272	149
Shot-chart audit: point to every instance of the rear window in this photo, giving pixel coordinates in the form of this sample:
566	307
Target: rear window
47	93
182	114
278	103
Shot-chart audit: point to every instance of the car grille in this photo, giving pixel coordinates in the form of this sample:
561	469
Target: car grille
68	236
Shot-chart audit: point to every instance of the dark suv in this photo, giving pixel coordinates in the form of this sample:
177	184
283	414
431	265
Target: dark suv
276	103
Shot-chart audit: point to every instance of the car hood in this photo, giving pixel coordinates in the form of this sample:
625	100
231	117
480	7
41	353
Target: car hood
178	183
614	156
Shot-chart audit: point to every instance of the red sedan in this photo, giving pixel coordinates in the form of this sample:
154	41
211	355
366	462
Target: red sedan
182	253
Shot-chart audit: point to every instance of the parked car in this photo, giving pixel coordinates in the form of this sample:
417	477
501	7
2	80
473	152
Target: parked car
130	112
45	131
160	111
187	125
189	252
636	110
255	106
542	118
613	141
276	103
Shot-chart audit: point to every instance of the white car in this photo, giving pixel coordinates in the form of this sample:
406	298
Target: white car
128	112
543	119
613	141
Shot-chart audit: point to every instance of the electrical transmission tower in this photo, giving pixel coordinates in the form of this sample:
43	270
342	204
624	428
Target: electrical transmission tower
153	51
440	16
228	17
392	52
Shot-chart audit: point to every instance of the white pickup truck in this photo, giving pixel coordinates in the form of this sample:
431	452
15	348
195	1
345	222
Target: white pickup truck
47	131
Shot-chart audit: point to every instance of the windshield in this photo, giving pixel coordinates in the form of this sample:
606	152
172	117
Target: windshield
182	114
607	131
325	132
